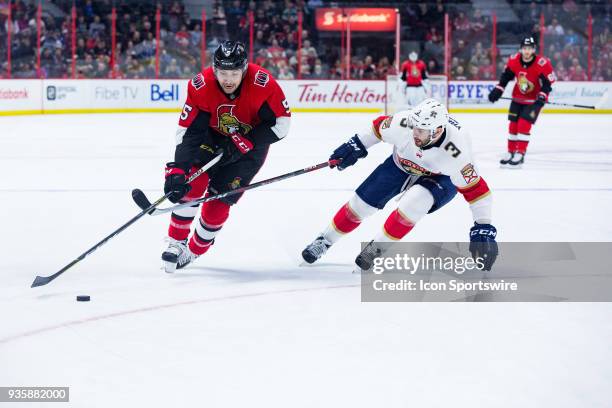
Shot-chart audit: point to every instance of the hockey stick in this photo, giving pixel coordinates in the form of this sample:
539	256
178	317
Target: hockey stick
548	103
158	211
143	202
43	280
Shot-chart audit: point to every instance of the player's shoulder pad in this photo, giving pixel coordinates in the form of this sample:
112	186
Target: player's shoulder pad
381	123
399	119
198	81
514	61
457	141
260	76
543	61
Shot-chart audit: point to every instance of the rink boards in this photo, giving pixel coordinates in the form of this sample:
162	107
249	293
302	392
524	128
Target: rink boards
146	95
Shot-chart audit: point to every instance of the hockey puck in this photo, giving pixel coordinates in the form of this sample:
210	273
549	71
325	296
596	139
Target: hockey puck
83	298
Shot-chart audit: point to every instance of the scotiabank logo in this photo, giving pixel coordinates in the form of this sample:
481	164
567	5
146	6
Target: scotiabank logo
361	19
13	94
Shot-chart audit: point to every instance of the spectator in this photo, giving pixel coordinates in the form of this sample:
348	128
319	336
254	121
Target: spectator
318	72
368	69
96	28
284	73
172	70
478	25
460	74
577	74
554	28
461	24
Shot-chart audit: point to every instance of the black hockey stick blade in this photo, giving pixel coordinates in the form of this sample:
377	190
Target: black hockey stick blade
41	281
140	199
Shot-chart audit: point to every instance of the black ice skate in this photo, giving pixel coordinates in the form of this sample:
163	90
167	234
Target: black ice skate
517	160
170	256
506	159
316	249
366	257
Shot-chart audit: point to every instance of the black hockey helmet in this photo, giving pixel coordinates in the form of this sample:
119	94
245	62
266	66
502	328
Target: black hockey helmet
528	42
230	55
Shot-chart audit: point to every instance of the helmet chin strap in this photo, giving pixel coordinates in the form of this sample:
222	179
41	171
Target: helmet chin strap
432	134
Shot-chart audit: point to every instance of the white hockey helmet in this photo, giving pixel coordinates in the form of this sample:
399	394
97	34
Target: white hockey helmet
429	115
413	56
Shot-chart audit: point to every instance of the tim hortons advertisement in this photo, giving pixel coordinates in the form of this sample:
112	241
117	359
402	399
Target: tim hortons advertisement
361	19
321	95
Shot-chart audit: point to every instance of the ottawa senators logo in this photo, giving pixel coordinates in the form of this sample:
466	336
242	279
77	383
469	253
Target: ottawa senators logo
229	124
235	183
415	72
524	85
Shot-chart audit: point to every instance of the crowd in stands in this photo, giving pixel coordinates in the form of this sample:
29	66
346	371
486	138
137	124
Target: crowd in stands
565	37
275	45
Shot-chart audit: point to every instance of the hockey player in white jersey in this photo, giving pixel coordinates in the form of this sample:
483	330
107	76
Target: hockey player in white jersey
431	161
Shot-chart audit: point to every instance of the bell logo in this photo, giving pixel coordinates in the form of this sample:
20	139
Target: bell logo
167	95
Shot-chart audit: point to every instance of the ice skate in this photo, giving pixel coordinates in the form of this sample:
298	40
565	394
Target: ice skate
185	258
516	162
170	256
365	259
316	249
506	159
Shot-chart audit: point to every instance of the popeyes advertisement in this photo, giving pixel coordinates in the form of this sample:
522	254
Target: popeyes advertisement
361	19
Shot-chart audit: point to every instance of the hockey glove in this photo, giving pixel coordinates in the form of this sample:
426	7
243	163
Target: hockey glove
235	148
496	93
242	143
176	182
540	101
483	245
348	153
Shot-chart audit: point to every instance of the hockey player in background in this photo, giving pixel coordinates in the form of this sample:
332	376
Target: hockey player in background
234	106
414	82
431	161
534	78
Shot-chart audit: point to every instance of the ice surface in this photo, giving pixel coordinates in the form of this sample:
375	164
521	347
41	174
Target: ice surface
245	326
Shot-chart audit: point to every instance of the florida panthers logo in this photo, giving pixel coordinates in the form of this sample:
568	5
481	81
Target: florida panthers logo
229	124
413	168
524	85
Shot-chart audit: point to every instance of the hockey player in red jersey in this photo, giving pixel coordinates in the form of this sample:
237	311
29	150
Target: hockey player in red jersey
414	79
534	77
233	106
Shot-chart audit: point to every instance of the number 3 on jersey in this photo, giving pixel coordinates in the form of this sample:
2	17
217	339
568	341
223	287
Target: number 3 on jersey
186	111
